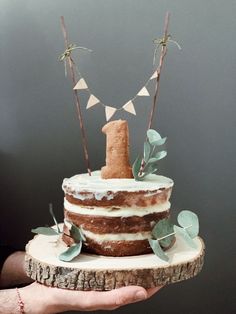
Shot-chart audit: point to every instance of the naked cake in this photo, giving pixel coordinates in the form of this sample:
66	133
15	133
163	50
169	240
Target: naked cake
115	212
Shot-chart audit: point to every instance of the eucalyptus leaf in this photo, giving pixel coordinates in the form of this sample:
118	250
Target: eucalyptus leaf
136	168
146	151
152	160
54	218
76	233
153	136
160	155
45	231
151	168
189	220
71	252
160	142
154	244
183	233
161	229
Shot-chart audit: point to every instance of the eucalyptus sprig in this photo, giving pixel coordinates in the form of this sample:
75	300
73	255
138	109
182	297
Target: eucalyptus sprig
75	233
48	231
151	155
75	249
164	231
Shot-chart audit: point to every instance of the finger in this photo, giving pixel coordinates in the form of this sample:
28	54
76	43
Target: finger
113	299
152	291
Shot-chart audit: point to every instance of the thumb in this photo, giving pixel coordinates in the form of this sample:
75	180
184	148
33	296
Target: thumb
130	294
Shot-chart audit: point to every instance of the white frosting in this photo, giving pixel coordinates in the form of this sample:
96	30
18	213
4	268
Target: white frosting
116	236
120	212
103	187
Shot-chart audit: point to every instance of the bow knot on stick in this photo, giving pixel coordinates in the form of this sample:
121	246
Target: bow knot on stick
67	54
69	49
162	42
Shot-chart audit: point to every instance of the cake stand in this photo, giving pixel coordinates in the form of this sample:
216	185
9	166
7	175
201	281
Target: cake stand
94	272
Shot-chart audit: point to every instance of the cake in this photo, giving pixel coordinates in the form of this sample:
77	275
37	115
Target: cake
116	216
115	212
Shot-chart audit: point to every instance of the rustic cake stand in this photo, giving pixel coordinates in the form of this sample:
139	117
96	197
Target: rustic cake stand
94	272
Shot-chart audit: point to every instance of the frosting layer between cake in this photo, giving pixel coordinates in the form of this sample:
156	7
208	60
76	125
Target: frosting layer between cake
116	211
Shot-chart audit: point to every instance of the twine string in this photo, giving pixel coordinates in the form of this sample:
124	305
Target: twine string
67	55
162	43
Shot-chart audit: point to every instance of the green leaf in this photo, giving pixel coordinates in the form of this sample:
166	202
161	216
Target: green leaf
154	244
45	231
163	228
76	233
183	233
160	155
136	168
71	252
160	142
189	220
146	151
153	136
152	160
53	216
150	169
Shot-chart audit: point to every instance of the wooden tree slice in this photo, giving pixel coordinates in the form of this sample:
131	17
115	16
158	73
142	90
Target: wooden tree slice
94	272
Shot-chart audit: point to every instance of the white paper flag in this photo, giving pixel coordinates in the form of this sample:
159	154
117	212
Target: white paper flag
81	84
154	75
92	101
143	92
129	106
109	111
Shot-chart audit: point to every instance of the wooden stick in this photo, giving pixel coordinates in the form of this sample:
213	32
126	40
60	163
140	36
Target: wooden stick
162	57
76	97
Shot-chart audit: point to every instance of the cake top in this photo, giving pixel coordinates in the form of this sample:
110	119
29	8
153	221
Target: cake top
95	184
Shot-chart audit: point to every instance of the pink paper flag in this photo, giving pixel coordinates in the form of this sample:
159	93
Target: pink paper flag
143	92
129	106
92	101
81	84
109	111
154	75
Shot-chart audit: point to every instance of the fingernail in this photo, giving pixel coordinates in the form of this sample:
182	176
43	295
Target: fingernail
140	295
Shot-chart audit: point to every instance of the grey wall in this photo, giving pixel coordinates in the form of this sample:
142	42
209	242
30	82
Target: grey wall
40	141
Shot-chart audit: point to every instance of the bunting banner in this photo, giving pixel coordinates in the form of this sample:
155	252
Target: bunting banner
129	107
143	92
81	84
154	75
109	110
92	101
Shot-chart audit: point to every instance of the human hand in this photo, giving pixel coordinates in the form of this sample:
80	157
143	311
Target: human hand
40	299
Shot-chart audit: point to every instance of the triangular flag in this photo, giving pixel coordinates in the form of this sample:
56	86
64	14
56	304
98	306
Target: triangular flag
154	75
81	84
92	101
109	111
129	106
143	92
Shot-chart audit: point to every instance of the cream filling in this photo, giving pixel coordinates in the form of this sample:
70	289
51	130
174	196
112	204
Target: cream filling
96	237
121	212
116	236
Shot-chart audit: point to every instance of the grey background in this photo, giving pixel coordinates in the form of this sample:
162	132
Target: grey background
40	141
